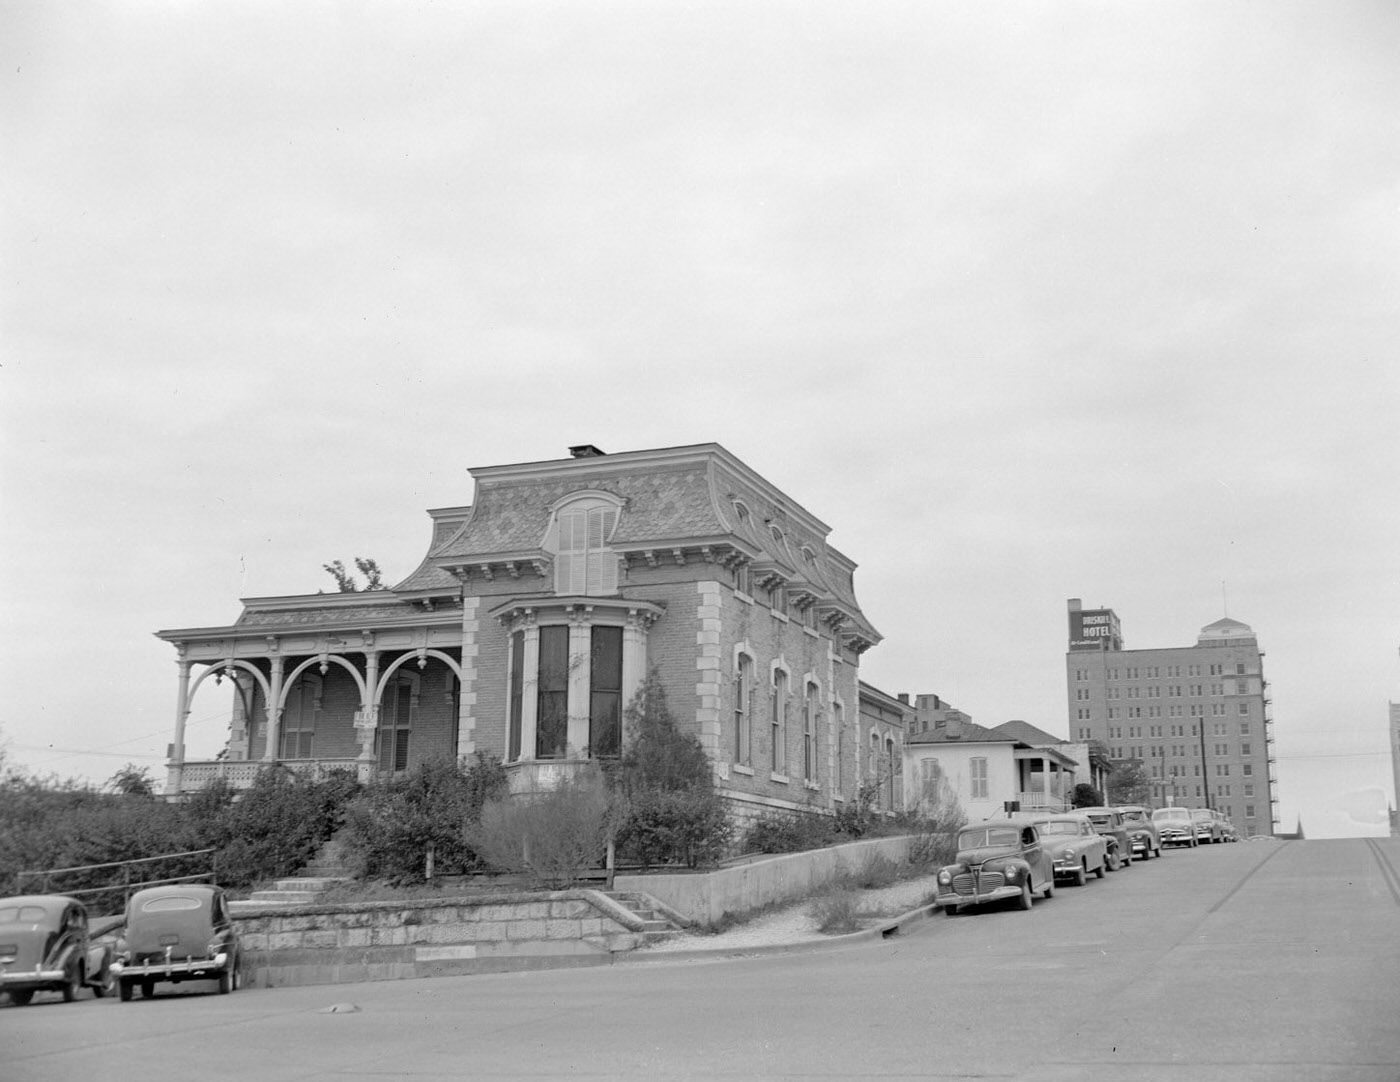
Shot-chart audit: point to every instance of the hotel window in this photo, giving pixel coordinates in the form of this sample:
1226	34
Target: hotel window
1244	710
1241	687
743	701
1239	667
1247	770
1249	811
1246	749
978	767
1081	693
578	537
1244	728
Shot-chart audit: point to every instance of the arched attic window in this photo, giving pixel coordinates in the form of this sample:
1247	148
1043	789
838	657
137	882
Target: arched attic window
578	536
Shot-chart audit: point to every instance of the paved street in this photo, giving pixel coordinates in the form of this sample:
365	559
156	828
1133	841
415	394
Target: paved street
1257	961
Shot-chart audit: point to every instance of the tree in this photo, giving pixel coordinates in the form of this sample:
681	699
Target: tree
1129	784
1086	796
345	581
133	780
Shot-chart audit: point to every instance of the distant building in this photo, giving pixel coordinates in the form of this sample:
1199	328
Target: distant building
1195	717
533	619
947	755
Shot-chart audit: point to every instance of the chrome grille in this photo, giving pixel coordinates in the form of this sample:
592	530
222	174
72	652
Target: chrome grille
971	883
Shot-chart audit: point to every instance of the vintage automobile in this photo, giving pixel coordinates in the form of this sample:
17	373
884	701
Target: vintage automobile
1109	823
44	947
1207	826
1075	847
1146	838
1176	826
997	859
1228	833
177	933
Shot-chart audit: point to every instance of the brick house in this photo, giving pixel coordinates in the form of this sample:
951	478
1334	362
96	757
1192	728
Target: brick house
534	618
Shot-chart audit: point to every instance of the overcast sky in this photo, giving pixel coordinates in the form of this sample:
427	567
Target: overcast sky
1028	301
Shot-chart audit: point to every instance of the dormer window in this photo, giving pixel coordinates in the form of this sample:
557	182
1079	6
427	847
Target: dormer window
578	536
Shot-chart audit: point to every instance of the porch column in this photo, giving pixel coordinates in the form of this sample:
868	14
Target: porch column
176	766
368	720
274	712
580	682
530	689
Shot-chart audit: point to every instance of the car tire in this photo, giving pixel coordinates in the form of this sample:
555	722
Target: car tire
72	982
950	911
124	990
105	982
1099	871
21	997
1111	861
228	979
1026	900
148	989
1081	875
1049	891
1157	852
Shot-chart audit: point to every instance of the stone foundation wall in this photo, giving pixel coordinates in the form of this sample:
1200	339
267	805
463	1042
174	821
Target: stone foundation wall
330	944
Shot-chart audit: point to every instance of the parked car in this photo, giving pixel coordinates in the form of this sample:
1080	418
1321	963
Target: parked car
1207	826
1075	847
44	947
1228	833
1109	823
1176	826
997	859
177	933
1146	838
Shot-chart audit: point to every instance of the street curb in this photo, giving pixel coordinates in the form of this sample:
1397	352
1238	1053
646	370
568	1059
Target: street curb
886	930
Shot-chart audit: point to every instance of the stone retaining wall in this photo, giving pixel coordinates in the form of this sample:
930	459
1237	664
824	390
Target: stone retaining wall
328	944
707	899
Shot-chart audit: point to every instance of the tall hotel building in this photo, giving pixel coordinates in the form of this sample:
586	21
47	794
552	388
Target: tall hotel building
1195	718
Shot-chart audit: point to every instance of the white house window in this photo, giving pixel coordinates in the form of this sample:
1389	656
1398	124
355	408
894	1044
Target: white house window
979	778
578	536
839	725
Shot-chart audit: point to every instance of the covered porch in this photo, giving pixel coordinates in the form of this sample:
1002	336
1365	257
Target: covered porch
1045	779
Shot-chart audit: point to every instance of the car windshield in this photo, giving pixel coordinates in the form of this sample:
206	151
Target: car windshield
21	914
1102	820
1171	813
1059	826
1134	817
1202	813
976	839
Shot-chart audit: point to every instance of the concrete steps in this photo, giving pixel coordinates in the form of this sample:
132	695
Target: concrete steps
656	924
325	871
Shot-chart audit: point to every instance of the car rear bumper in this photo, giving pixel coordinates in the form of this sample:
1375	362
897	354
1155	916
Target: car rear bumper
190	969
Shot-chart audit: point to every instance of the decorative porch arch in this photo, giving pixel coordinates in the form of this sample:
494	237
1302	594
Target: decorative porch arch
420	655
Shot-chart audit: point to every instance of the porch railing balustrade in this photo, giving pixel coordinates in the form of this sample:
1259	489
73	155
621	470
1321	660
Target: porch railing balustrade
241	773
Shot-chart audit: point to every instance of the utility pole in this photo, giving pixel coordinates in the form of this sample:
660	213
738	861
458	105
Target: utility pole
1205	769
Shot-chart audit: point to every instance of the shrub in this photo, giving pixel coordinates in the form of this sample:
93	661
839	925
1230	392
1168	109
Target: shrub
393	825
686	826
836	912
789	832
551	837
877	871
667	809
856	816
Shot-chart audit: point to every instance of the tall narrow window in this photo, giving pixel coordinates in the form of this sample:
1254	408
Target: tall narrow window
893	783
605	694
299	719
584	564
552	724
779	711
809	733
839	725
517	698
395	725
979	778
743	690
